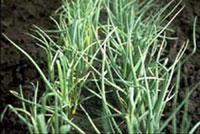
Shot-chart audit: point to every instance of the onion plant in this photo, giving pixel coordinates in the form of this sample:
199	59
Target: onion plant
118	47
67	72
136	70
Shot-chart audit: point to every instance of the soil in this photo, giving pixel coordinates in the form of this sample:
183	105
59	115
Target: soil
17	18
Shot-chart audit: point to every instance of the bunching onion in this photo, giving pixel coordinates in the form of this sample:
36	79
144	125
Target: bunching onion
116	51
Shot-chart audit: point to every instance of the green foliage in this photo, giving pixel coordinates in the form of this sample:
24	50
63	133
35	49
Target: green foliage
119	47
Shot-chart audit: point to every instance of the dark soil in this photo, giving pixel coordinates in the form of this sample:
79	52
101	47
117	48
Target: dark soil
190	75
18	16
